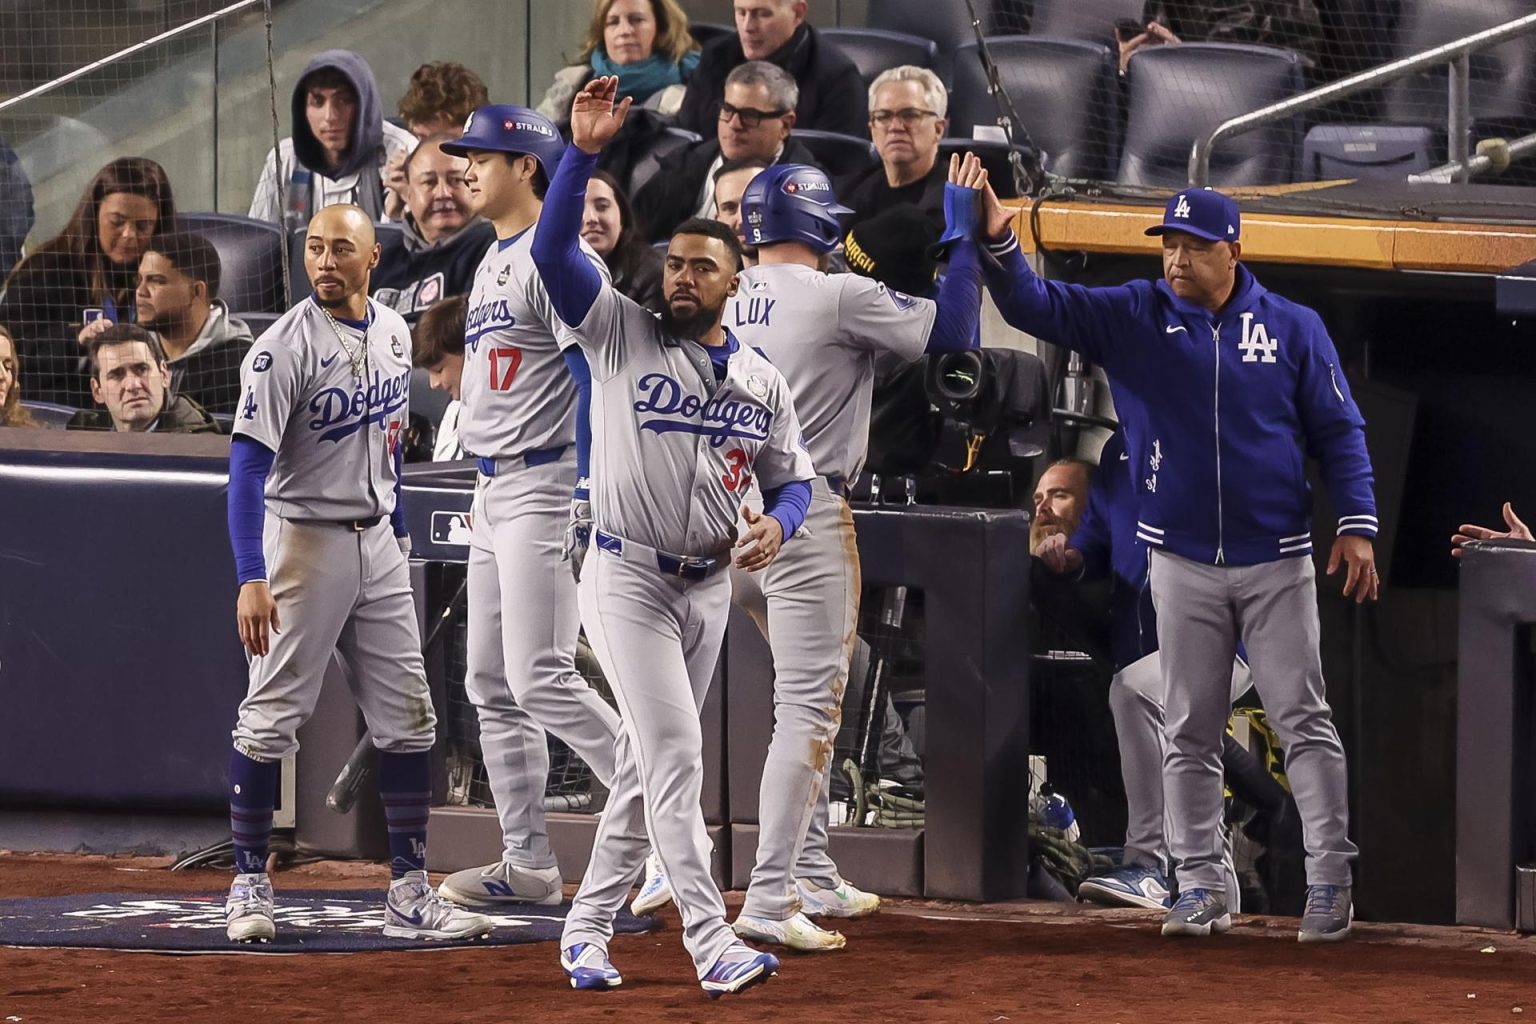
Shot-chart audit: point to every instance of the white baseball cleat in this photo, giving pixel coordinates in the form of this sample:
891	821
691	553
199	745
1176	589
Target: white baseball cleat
503	883
655	890
847	900
738	969
248	909
414	910
797	932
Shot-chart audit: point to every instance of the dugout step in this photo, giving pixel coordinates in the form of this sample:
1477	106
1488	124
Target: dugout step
470	837
884	861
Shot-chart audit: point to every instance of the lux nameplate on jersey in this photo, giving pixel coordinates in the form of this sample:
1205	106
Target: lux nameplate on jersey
719	418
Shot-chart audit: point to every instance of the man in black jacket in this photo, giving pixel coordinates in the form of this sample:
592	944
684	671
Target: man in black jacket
907	108
831	91
444	242
755	120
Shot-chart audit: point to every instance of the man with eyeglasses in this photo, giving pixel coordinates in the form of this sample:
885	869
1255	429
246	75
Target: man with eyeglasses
756	116
444	241
907	107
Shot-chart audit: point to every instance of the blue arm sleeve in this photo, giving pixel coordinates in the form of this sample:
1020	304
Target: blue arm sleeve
250	462
959	303
571	281
397	517
581	373
788	504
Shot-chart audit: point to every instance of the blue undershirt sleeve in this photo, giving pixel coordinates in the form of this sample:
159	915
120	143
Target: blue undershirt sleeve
788	504
397	517
581	373
250	462
959	303
570	279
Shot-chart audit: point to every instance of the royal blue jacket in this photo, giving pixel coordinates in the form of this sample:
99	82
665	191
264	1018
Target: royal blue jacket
1232	402
1106	538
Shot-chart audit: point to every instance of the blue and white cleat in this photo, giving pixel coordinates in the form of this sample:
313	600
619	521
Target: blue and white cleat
655	891
1329	915
738	969
1199	913
588	967
414	910
847	900
248	909
1134	885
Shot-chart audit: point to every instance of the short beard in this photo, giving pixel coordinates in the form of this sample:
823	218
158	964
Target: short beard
1038	531
335	303
691	327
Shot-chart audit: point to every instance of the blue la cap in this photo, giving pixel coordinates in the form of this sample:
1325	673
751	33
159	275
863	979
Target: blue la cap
1202	212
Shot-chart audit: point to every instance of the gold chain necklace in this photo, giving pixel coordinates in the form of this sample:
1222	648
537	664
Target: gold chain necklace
357	356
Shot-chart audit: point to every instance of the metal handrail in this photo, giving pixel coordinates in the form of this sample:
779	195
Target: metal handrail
1492	155
113	58
1454	52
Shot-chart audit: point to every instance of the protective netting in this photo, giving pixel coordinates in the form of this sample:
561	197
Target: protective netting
1119	90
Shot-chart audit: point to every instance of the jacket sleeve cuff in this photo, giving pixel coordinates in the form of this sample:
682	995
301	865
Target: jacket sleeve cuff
1361	525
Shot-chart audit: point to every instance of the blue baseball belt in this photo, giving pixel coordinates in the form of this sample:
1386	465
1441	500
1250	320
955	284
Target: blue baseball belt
688	567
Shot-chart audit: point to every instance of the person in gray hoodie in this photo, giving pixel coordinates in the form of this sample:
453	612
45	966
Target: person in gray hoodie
339	149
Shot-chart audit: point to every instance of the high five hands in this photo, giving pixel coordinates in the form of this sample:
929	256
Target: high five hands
595	118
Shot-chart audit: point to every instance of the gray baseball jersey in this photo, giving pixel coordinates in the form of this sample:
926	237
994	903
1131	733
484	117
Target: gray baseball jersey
517	395
823	332
673	452
334	432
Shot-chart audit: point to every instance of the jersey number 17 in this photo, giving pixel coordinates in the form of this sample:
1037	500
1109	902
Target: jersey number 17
504	364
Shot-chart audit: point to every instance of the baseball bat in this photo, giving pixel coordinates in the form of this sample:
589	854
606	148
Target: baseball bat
891	613
342	796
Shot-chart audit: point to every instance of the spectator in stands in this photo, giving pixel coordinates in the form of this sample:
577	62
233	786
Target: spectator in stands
831	97
178	299
907	108
443	240
438	101
1289	24
12	412
731	180
754	123
608	226
1060	497
86	272
437	346
340	148
129	376
16	216
645	43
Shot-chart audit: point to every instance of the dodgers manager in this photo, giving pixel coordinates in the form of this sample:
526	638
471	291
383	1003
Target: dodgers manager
1237	384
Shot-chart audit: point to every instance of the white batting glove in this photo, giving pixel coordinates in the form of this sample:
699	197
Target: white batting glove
404	540
578	536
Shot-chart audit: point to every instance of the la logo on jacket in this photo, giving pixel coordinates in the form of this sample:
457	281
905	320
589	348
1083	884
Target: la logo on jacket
1257	345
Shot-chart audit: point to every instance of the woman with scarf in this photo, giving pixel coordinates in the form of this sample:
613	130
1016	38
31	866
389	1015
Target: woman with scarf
644	42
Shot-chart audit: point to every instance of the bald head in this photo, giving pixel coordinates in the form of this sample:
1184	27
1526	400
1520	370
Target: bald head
340	252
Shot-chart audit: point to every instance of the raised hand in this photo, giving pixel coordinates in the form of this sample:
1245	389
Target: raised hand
1467	531
595	118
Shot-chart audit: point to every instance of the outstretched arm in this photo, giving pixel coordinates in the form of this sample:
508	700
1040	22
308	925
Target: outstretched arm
959	300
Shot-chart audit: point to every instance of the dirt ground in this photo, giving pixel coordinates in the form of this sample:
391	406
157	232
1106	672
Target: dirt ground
915	962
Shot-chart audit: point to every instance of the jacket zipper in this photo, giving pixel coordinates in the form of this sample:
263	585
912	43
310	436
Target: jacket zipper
1220	525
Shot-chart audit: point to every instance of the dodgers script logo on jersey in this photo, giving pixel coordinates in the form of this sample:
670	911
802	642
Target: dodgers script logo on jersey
719	419
340	413
490	316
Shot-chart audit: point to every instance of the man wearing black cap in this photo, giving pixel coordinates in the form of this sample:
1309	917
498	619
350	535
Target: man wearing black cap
1236	383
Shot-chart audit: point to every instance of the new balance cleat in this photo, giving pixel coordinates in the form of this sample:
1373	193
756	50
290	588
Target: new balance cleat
588	967
1197	912
1329	915
847	900
248	909
1134	885
737	969
503	883
797	932
414	910
655	891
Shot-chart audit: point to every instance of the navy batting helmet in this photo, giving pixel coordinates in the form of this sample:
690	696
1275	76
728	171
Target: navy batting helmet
791	203
504	128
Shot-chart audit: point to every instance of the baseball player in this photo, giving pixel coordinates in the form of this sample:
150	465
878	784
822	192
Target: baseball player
683	417
320	546
823	333
1234	381
518	419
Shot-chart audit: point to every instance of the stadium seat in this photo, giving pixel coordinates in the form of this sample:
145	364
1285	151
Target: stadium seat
1179	93
389	236
250	252
648	163
837	154
995	157
1371	152
874	50
1503	79
50	414
1093	20
1067	94
946	22
258	322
